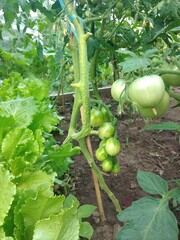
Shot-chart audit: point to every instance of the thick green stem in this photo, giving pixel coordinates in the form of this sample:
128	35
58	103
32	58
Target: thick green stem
99	175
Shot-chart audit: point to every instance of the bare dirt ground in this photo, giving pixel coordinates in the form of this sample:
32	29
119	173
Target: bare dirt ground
155	151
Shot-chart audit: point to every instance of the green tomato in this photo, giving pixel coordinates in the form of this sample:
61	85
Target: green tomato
118	89
106	130
96	118
105	114
116	168
107	165
119	5
112	146
101	154
147	91
171	79
159	110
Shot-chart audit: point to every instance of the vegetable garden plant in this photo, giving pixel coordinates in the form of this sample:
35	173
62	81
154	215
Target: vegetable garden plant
136	49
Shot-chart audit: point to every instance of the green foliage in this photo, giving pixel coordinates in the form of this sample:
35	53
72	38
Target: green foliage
29	209
150	217
163	126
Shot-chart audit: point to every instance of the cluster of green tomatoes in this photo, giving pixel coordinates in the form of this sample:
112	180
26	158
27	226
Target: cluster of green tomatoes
147	94
109	146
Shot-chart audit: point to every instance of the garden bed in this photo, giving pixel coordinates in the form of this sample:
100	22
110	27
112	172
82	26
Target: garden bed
154	151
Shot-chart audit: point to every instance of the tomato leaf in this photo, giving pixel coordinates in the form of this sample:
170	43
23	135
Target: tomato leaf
144	221
163	126
152	183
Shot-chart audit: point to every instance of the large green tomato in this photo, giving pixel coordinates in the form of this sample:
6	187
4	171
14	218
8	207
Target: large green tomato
106	130
112	146
96	118
147	91
118	89
171	79
157	111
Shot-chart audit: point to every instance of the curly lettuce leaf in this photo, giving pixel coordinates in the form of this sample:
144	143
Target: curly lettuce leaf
20	149
8	190
22	111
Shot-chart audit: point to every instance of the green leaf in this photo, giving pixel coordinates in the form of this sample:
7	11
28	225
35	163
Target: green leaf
23	151
64	226
132	64
59	158
163	126
148	218
70	201
86	230
35	180
39	49
8	190
2	235
39	208
152	183
86	210
175	194
22	110
45	120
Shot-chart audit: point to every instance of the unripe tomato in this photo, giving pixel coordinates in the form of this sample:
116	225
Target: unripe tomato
112	146
116	168
171	79
96	118
158	110
118	89
119	5
106	130
107	165
105	114
147	91
101	154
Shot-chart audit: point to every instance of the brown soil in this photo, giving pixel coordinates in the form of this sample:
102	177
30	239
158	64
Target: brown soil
155	151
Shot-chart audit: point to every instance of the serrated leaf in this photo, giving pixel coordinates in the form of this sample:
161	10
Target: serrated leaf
20	145
148	218
86	230
59	158
58	227
163	126
86	210
41	207
45	120
2	235
8	190
36	180
127	52
152	183
132	64
22	110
